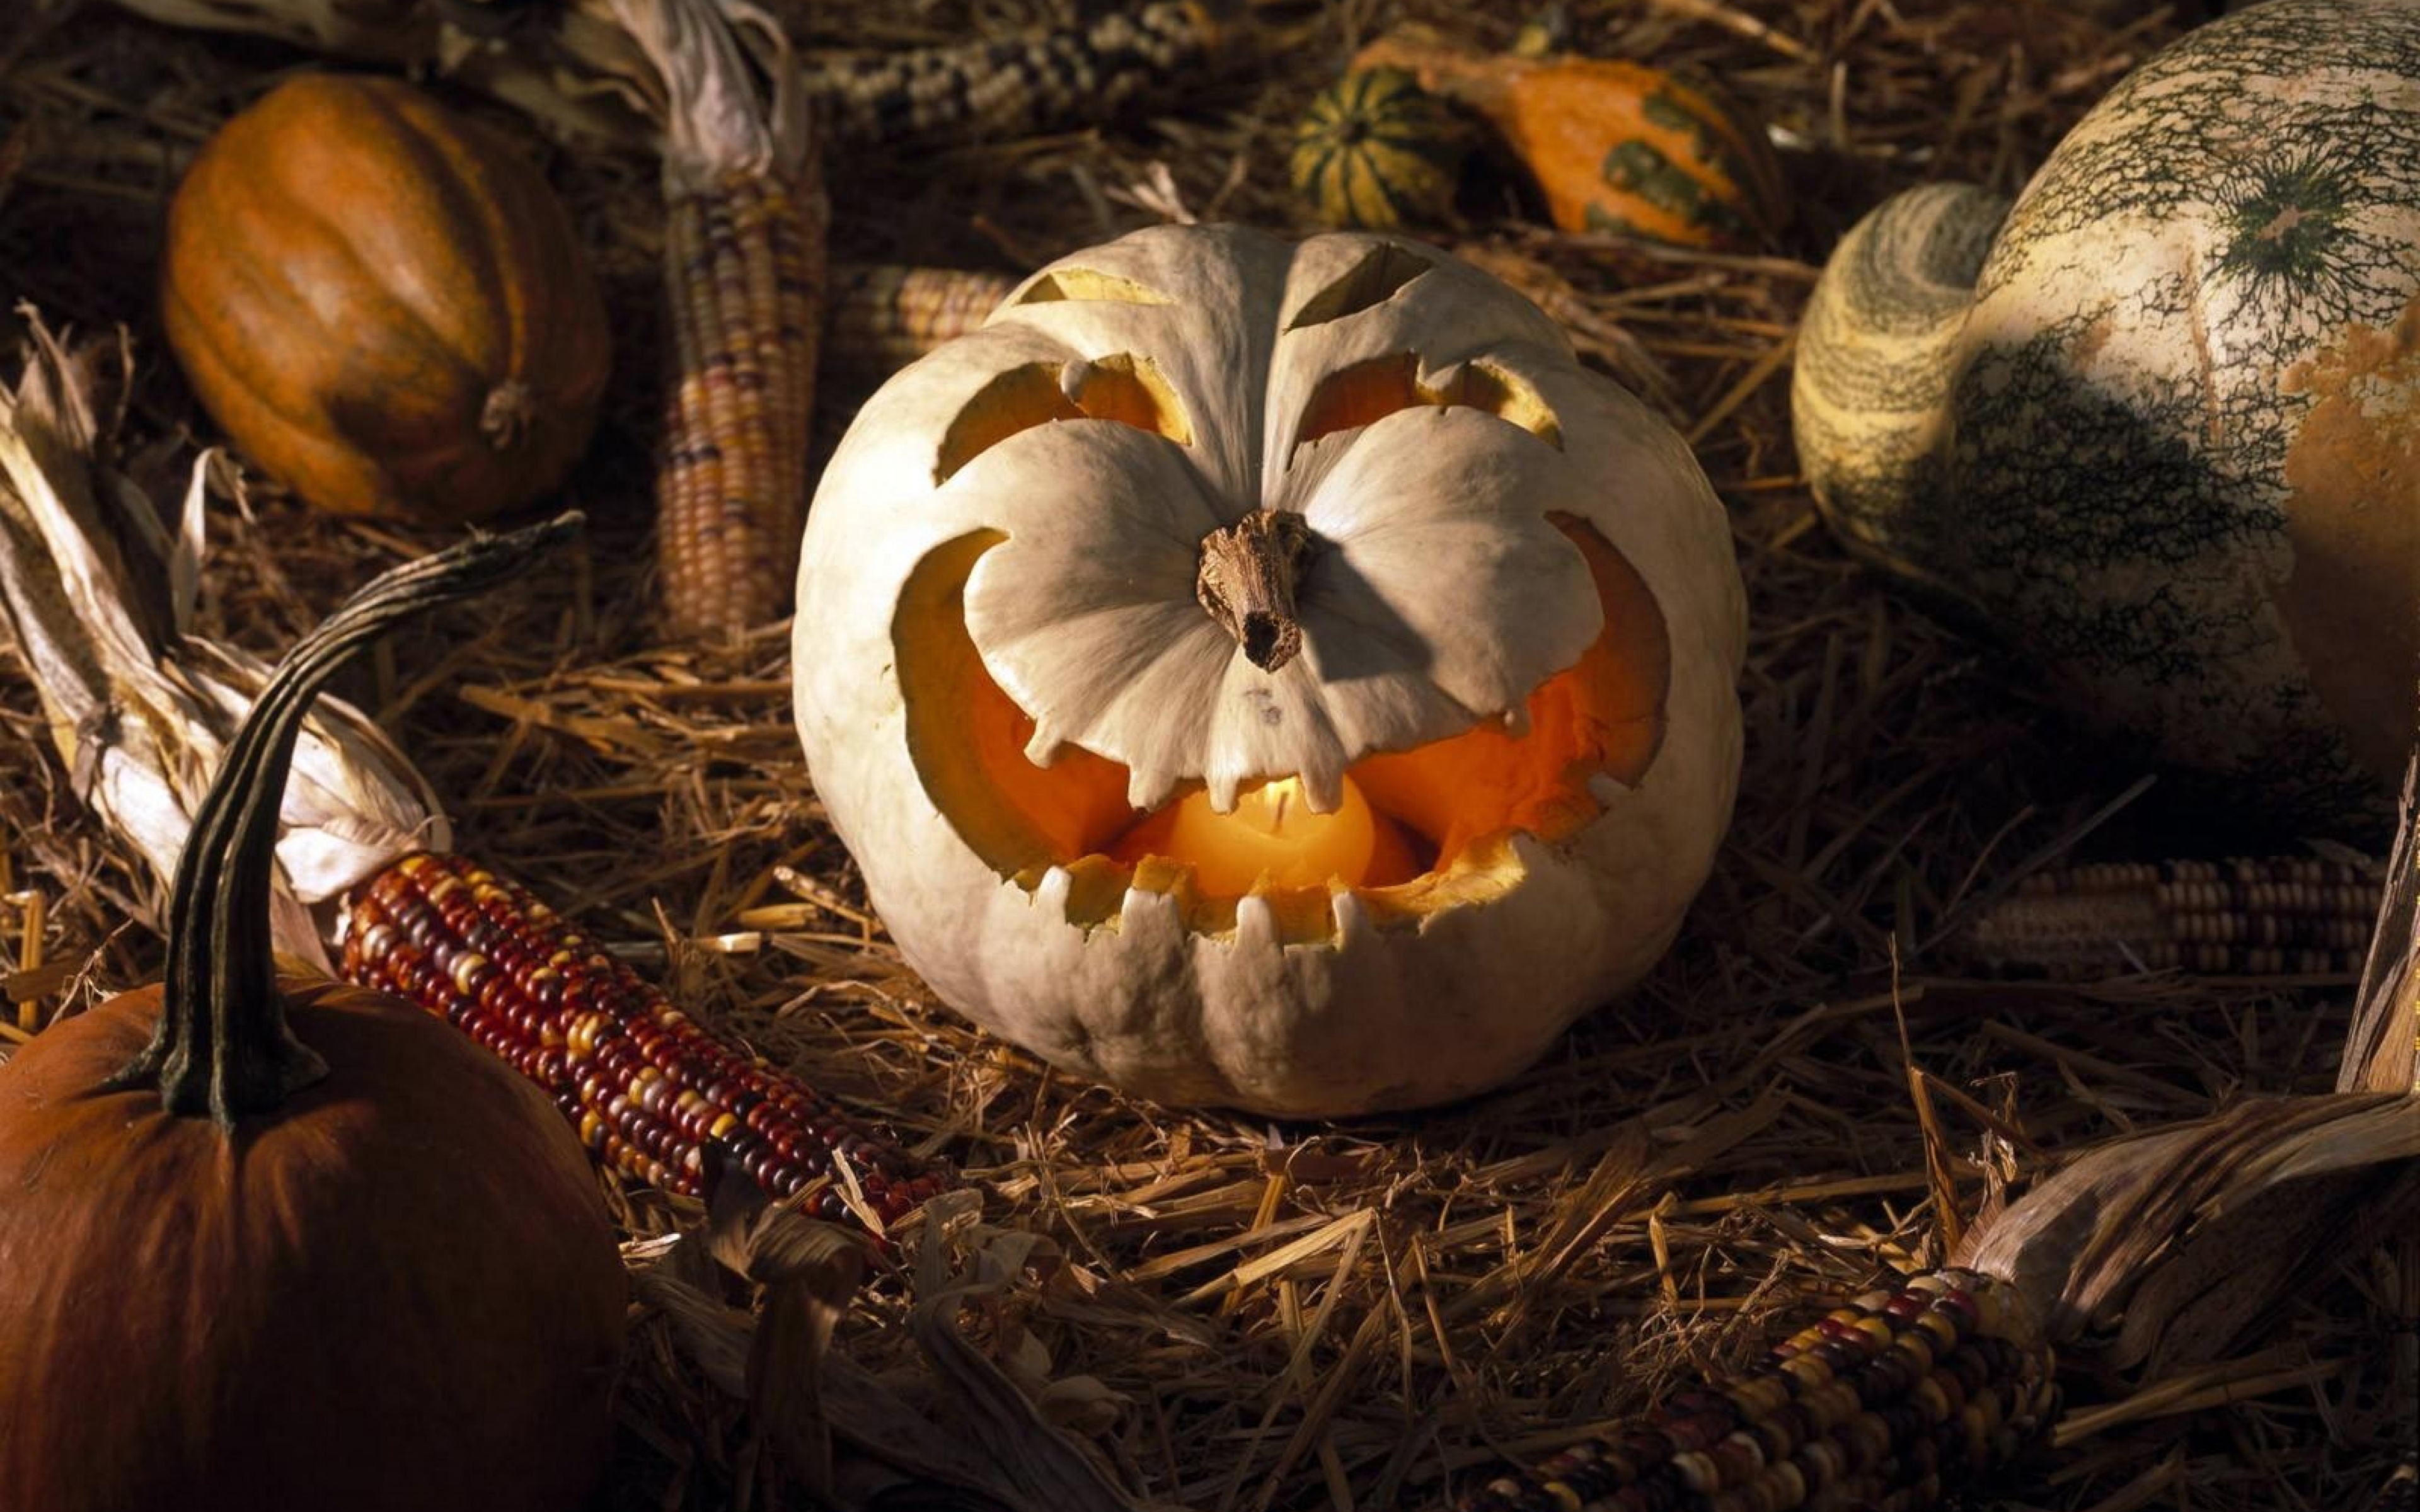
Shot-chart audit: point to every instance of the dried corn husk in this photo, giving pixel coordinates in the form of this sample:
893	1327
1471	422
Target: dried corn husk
2163	1246
968	1427
100	595
2182	1237
2383	1050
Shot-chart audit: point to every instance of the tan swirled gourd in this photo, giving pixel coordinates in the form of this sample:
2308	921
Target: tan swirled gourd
1270	674
2157	424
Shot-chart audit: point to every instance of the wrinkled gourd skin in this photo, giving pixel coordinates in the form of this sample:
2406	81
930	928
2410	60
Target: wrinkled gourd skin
998	606
398	1292
2159	430
382	304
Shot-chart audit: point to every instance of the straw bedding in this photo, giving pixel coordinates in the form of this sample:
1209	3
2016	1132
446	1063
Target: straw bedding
1253	1316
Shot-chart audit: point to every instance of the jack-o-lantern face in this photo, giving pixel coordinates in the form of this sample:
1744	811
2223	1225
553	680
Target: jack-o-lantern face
1269	674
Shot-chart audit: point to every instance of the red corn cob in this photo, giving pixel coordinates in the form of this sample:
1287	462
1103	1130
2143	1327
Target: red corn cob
1873	1407
648	1089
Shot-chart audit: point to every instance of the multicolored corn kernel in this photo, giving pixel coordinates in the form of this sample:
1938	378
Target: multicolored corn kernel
1878	1404
648	1089
744	275
2244	918
986	90
882	317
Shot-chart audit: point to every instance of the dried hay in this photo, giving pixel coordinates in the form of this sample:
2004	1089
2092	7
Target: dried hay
1244	1317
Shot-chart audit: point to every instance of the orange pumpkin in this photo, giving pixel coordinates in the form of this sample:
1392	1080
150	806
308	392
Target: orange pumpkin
382	303
271	1244
1614	146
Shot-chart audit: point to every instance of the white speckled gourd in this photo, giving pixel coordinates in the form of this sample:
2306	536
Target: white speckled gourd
1271	674
2159	428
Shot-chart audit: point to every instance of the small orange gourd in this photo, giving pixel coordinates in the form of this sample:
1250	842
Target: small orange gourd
382	303
1613	145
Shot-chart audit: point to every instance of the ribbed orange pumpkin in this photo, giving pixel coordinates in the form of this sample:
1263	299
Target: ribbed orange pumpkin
382	304
271	1244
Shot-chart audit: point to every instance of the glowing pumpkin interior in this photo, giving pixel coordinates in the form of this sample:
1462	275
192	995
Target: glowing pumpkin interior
1420	830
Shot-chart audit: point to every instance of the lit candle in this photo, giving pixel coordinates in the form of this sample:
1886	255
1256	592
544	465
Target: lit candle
1272	831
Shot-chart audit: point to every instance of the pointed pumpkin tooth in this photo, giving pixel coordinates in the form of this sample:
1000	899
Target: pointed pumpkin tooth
1074	378
1256	925
1324	789
1149	790
1057	885
1044	748
1223	787
1516	720
1148	904
1352	918
1608	789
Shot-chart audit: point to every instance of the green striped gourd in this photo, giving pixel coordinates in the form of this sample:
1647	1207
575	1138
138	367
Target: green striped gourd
1376	151
1613	145
2158	423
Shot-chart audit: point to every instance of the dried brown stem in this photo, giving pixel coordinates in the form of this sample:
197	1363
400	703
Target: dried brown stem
1247	581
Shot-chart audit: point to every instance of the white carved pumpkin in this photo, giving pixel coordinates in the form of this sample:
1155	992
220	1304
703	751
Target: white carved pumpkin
1441	773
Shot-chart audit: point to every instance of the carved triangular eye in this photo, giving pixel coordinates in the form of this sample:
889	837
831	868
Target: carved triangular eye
1373	279
1122	387
1370	390
1084	284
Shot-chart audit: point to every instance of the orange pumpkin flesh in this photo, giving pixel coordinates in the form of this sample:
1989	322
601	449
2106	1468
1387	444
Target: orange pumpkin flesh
1443	810
272	1244
383	304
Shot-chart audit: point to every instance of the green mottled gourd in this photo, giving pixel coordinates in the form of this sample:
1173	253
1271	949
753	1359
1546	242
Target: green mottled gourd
2157	424
1377	151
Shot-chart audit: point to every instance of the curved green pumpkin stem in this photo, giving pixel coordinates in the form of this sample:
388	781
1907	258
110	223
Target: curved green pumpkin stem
223	1047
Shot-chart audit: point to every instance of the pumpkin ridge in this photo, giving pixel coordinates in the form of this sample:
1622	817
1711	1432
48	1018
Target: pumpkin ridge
385	419
346	265
200	343
369	306
462	190
292	414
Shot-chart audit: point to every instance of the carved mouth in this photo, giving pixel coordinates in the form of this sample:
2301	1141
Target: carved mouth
1450	703
1442	817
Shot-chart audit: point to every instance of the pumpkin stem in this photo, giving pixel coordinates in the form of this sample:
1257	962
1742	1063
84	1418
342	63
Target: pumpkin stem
223	1046
1247	581
505	419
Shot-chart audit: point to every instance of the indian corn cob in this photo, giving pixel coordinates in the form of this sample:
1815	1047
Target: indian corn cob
882	317
1866	1408
2249	917
569	66
1884	1403
983	90
745	216
649	1090
141	711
